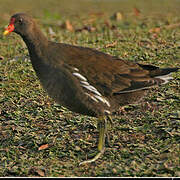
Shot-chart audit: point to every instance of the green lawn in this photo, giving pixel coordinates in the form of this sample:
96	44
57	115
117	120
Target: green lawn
41	138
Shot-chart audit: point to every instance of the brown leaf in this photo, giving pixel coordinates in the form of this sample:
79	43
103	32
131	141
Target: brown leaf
21	147
13	127
155	30
35	170
44	146
69	26
111	45
40	172
136	11
114	170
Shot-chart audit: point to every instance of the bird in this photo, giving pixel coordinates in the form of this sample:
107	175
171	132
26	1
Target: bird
85	80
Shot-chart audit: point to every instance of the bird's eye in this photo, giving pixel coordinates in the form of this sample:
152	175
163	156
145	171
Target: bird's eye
20	21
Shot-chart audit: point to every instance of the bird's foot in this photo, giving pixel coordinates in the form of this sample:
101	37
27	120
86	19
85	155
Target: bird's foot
93	159
102	126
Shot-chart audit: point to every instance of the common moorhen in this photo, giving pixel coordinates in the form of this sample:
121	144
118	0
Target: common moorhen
85	80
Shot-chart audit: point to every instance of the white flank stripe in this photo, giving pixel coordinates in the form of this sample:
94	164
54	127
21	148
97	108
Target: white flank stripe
102	100
96	96
92	89
76	69
85	83
80	76
106	111
107	102
92	97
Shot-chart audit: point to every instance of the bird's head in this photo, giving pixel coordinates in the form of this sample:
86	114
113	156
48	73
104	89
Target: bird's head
20	23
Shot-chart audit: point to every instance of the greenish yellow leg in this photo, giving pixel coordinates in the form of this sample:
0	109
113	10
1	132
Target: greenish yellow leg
110	125
102	126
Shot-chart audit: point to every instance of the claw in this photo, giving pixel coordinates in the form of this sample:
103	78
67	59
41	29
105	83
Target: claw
93	159
102	126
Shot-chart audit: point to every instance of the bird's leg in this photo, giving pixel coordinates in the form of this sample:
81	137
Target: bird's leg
102	126
110	123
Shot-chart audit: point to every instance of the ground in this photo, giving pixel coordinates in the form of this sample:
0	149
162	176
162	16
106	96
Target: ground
41	138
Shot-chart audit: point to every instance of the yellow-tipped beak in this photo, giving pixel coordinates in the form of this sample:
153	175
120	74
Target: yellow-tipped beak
5	32
9	29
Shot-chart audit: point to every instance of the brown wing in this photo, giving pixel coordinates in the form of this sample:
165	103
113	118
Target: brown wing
108	74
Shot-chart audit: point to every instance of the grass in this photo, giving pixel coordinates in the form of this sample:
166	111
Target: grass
40	138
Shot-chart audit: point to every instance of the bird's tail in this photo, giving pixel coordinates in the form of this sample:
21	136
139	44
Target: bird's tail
164	74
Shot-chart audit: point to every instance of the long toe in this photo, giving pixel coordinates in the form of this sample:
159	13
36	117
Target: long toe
93	159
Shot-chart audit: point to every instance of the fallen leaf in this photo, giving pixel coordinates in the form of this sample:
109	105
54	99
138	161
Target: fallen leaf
35	170
21	147
40	172
114	170
111	45
13	127
155	30
44	146
69	26
136	11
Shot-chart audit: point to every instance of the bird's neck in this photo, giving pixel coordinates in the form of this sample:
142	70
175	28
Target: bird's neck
36	43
